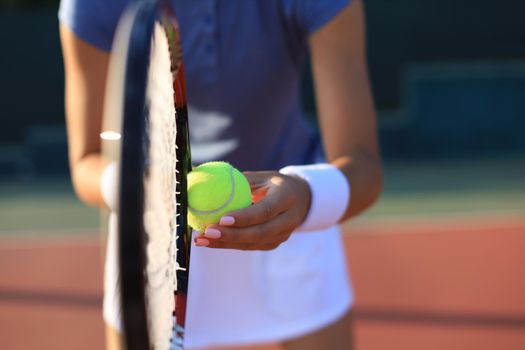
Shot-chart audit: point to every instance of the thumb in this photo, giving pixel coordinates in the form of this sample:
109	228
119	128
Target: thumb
259	184
256	179
258	194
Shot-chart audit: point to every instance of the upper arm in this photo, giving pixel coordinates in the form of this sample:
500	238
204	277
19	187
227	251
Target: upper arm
85	72
344	101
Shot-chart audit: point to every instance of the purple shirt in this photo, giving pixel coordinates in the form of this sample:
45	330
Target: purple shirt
243	61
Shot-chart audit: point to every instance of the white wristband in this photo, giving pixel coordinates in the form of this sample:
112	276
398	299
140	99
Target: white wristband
330	194
108	186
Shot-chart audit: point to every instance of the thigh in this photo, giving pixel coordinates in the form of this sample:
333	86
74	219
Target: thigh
114	339
337	336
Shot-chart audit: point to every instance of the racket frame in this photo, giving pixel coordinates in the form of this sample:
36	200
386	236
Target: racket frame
133	155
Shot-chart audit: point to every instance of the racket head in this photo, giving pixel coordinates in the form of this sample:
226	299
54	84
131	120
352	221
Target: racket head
145	131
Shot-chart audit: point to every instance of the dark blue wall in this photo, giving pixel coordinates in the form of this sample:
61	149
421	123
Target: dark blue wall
434	97
403	32
31	73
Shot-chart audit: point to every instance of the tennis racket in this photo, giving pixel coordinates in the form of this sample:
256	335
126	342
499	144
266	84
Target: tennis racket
145	130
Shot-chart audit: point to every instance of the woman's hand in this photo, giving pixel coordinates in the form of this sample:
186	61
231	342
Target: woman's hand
281	203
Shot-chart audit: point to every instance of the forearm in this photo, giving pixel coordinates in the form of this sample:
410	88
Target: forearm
364	174
350	139
85	71
345	106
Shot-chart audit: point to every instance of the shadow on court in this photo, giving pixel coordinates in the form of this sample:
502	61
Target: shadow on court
50	293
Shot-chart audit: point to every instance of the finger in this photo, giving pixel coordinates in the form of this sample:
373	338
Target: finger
241	246
271	232
204	242
229	245
274	203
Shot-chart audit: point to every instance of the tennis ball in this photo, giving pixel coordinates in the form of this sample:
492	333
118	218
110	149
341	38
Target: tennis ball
215	188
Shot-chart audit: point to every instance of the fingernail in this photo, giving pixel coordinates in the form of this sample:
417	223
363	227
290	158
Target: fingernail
212	233
202	242
227	221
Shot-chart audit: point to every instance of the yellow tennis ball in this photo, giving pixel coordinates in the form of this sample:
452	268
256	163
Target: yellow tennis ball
215	188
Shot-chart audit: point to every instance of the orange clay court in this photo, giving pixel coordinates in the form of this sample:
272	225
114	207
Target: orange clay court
431	270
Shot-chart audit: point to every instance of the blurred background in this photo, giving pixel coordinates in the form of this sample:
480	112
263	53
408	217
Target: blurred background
437	263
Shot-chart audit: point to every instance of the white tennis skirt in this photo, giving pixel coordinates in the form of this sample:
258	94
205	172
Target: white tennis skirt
248	297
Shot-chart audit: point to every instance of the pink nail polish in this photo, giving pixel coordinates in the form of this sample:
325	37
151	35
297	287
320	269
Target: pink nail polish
227	221
212	233
202	242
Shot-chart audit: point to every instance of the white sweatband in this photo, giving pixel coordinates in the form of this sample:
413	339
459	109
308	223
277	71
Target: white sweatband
330	194
108	186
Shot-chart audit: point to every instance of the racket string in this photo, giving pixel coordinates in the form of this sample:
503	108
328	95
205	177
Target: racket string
161	214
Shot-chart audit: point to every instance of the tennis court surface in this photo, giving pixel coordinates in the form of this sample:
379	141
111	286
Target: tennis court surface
437	264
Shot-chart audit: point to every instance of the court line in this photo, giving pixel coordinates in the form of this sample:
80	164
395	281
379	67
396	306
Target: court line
31	240
51	298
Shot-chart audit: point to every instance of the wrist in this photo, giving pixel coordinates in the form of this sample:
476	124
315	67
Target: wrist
329	194
305	199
